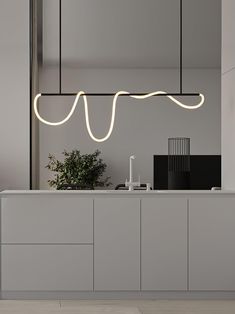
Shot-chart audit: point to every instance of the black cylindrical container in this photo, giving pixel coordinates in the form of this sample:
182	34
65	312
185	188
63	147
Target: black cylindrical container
179	163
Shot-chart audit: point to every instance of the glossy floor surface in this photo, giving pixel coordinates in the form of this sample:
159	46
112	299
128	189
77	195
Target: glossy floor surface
119	307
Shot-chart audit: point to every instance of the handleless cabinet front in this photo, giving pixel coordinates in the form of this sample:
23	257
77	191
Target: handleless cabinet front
212	249
47	243
164	243
43	219
47	267
117	244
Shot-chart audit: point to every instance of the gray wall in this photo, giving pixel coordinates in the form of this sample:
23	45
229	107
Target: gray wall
132	33
14	91
141	127
228	94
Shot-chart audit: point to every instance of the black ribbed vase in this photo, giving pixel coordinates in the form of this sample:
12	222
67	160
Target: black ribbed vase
179	163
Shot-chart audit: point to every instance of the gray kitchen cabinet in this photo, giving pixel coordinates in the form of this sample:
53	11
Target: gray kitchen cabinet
47	267
47	220
99	241
117	244
164	243
212	243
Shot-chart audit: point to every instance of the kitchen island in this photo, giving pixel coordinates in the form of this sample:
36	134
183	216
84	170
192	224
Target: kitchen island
117	244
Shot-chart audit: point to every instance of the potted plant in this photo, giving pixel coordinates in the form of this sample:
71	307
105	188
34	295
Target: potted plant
77	171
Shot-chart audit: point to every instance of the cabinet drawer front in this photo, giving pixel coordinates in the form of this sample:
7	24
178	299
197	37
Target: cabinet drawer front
47	220
47	267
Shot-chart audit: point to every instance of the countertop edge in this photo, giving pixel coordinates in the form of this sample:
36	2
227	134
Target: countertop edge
7	193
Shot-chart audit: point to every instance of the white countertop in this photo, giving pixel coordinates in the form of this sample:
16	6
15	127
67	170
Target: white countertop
6	193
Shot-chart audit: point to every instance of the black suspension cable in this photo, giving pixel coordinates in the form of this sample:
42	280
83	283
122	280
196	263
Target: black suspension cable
181	47
60	90
131	94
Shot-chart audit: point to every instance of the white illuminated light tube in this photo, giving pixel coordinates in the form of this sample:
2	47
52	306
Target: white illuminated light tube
81	93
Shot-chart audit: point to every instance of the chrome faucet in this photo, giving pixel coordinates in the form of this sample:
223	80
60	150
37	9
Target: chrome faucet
131	183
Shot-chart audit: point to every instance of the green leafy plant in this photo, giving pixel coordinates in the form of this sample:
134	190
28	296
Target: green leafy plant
78	171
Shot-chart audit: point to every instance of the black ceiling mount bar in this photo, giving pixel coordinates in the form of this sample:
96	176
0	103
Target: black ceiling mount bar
60	93
113	94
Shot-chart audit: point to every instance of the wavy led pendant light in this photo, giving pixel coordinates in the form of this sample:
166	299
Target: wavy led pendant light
115	96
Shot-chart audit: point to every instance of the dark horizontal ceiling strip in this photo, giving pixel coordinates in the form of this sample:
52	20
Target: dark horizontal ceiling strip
113	94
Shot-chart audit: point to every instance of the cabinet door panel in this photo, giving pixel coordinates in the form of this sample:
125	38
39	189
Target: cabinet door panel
47	220
117	244
47	267
212	249
164	244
